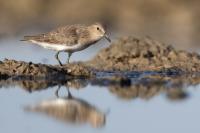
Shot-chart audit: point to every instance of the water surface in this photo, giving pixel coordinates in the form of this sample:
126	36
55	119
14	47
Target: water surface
139	102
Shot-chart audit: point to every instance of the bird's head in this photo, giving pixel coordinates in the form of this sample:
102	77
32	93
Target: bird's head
98	31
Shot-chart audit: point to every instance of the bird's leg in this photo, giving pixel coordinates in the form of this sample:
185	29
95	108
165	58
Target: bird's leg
69	55
57	91
57	58
69	94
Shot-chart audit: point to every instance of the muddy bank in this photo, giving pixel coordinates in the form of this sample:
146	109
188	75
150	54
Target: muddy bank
9	68
125	54
130	53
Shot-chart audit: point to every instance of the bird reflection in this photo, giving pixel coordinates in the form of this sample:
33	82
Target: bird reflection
70	109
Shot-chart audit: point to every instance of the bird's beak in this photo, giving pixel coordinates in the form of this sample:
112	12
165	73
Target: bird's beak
106	36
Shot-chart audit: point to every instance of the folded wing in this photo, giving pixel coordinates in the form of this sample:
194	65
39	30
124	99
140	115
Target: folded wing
67	35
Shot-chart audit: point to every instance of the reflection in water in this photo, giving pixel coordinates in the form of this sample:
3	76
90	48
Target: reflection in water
74	110
32	85
148	88
176	94
70	109
139	86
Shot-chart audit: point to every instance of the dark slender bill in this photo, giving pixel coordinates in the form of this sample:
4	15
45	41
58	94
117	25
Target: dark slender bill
106	36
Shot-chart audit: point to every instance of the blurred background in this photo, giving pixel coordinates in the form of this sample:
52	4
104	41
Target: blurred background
174	22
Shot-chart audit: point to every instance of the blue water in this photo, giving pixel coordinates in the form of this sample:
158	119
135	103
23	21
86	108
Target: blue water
154	114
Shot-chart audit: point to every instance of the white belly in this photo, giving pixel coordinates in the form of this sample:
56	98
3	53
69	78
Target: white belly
58	47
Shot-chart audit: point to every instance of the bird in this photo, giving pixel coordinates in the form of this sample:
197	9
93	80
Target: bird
69	38
70	109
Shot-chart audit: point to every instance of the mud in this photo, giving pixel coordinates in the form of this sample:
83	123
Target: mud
9	68
124	55
130	53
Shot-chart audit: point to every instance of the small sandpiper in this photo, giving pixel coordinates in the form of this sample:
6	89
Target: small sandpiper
70	38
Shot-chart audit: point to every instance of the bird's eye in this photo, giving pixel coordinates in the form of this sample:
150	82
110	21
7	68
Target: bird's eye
97	28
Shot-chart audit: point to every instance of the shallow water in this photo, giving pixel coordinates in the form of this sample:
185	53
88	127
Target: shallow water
138	102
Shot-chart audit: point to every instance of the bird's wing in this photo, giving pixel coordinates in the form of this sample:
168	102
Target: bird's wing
67	35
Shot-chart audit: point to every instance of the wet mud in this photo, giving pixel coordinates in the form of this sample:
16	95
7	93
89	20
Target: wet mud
124	55
10	68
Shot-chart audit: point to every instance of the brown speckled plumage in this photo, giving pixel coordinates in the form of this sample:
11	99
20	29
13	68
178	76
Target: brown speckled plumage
70	38
68	35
